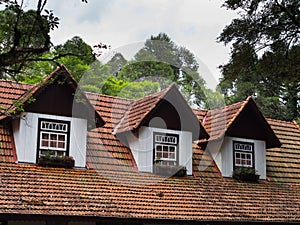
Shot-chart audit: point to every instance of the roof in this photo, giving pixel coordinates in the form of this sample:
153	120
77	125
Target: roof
138	110
112	187
141	110
7	151
133	195
19	100
217	121
104	150
231	119
10	93
283	164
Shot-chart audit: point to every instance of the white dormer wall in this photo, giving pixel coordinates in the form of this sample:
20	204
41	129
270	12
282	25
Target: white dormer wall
141	146
222	152
25	131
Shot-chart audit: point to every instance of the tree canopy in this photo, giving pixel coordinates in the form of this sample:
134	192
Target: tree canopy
270	76
263	23
25	37
154	67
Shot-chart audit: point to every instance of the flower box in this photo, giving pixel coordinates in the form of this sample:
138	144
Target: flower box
169	171
245	174
56	161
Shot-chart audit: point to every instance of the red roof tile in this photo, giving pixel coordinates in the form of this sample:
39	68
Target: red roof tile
104	150
217	121
10	93
138	110
28	189
283	164
7	149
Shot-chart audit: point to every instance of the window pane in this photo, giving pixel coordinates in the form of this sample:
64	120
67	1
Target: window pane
53	144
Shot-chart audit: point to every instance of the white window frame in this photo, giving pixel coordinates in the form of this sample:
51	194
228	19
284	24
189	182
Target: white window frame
166	142
53	128
243	151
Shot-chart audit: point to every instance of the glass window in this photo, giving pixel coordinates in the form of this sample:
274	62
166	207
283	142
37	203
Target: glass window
243	154
165	149
53	137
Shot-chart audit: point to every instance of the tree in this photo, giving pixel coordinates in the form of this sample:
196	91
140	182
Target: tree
24	36
271	77
78	56
161	60
263	23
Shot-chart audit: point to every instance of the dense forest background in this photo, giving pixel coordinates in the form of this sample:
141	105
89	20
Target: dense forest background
264	60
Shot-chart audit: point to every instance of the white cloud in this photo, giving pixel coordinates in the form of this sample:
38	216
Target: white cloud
194	24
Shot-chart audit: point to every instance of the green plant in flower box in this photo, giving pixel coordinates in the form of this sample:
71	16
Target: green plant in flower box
245	173
56	161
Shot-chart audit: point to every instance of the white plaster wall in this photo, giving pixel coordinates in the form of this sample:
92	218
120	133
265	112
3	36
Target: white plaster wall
227	156
142	148
25	131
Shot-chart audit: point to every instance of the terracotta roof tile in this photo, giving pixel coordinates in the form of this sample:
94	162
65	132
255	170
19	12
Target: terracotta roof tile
217	121
138	111
104	150
28	189
283	164
10	93
7	150
203	164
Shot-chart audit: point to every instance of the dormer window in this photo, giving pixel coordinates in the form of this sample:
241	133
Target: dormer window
166	149
243	154
53	137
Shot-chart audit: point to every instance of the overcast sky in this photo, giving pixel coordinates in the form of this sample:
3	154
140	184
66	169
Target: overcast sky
194	24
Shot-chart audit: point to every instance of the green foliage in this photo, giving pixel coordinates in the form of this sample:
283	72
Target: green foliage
77	58
24	35
263	23
137	90
162	61
131	90
25	40
113	86
245	173
273	80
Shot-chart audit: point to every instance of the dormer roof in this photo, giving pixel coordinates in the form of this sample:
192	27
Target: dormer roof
29	98
142	110
242	119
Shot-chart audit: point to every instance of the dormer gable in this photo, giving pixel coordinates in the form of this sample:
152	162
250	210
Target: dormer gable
51	119
57	94
167	110
160	129
239	136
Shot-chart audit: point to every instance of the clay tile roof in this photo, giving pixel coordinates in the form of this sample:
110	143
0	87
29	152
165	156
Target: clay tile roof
217	121
7	150
139	110
104	150
25	189
283	164
203	163
10	93
25	92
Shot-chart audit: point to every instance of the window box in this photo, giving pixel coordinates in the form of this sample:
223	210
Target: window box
245	174
56	161
177	171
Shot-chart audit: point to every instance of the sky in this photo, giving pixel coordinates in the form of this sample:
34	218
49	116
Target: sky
126	24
